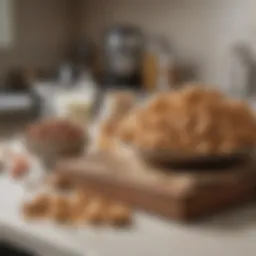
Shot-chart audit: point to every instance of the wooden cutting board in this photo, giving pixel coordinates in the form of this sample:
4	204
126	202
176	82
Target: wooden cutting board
176	194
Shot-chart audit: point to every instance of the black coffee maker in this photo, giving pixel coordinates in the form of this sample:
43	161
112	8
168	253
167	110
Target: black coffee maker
123	49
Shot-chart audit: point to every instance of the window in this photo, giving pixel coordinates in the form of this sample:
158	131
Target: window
5	23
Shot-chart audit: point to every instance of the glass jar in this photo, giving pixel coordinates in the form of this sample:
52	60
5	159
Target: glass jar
75	103
157	65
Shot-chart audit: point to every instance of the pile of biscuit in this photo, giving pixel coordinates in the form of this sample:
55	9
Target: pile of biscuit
194	120
76	206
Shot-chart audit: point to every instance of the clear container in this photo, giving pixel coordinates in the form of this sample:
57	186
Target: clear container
75	103
157	65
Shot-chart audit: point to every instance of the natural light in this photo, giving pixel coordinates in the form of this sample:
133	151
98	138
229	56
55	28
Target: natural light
5	23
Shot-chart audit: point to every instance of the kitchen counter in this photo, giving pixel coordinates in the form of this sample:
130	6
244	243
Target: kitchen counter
232	234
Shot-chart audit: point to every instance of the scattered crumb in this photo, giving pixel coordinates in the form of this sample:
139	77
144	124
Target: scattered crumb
60	209
37	208
78	208
119	215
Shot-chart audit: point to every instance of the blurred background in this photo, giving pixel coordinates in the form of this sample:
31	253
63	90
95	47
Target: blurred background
57	54
202	36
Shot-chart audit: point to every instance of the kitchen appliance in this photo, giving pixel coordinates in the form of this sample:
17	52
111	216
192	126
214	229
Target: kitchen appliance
18	99
158	65
123	49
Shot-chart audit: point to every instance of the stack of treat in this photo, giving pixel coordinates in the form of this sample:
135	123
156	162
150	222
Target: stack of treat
76	206
193	120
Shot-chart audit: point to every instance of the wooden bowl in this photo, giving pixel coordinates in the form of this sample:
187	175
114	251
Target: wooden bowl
51	141
188	161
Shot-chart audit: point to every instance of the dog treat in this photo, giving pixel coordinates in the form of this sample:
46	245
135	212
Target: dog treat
38	207
118	214
60	209
78	208
194	120
94	211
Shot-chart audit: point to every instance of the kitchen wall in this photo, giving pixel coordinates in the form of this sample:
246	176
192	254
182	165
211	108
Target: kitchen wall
201	31
40	31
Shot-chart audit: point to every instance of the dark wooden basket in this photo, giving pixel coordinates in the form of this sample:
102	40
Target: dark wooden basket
188	196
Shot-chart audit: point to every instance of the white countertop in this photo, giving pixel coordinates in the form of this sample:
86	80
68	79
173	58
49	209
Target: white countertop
232	234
